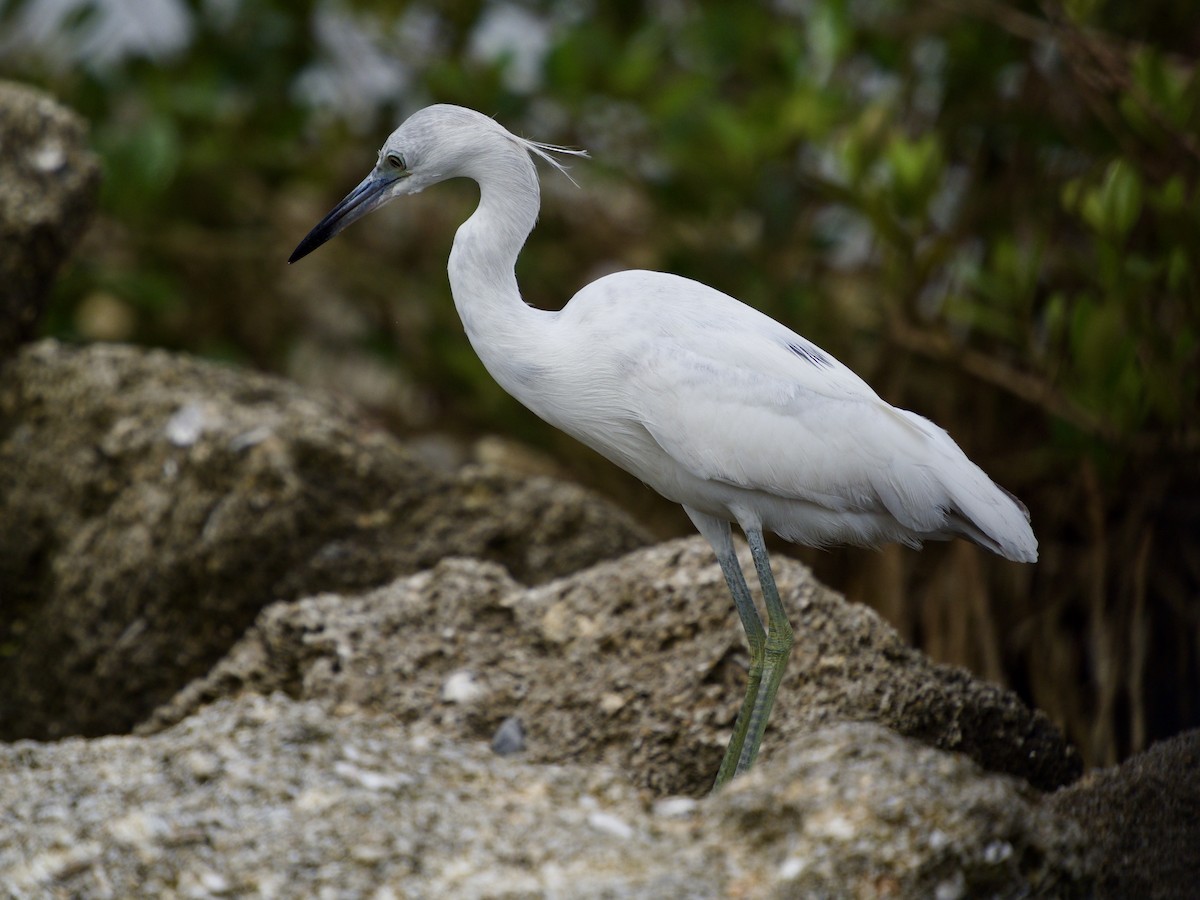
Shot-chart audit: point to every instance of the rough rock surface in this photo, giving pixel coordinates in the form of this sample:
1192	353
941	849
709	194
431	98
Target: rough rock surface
1144	819
49	182
269	797
152	504
638	662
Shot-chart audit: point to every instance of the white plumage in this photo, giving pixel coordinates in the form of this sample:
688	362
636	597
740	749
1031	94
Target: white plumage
724	410
708	401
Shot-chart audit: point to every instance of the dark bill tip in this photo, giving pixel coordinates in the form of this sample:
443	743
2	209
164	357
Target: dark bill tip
314	239
369	194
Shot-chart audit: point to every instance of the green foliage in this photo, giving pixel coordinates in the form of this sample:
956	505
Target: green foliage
1024	189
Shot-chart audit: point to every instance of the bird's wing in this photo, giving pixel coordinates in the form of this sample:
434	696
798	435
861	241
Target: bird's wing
826	439
764	416
732	396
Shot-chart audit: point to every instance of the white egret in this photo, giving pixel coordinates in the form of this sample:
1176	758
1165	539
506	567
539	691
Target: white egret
708	401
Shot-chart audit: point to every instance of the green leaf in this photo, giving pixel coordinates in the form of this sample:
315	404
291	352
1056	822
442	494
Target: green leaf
915	168
1122	193
1113	208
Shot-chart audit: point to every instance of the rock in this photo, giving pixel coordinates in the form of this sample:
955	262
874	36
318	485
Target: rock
264	796
855	810
638	662
509	737
49	183
152	504
1144	818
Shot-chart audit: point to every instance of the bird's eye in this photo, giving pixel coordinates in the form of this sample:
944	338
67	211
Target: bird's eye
396	161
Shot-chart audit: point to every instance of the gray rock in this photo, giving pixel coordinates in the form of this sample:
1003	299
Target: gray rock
855	810
152	504
263	796
638	662
1143	817
49	183
509	737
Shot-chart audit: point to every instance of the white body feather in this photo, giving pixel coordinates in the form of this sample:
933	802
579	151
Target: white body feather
704	399
708	401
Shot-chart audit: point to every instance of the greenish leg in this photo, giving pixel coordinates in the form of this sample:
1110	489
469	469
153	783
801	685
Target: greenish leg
775	654
756	637
769	647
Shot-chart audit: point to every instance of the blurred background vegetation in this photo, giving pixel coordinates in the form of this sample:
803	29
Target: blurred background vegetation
991	210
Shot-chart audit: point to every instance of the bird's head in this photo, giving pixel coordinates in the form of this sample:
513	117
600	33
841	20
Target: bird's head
412	158
434	144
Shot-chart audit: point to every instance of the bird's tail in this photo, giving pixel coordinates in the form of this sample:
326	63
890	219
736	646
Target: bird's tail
1001	525
975	506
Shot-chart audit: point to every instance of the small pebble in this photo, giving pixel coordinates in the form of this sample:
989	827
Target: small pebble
186	425
49	156
611	702
461	687
509	737
792	868
675	807
609	824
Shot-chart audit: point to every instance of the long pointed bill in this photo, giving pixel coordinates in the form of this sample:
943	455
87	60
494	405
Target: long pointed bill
370	194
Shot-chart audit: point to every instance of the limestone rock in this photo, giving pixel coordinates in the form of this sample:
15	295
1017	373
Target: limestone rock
151	504
264	796
1143	816
855	810
49	183
638	662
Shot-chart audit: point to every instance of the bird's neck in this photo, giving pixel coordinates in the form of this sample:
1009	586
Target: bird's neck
499	324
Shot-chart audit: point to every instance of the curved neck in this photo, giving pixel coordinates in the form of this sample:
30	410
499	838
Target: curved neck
508	336
486	246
